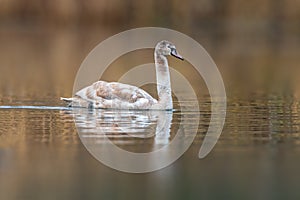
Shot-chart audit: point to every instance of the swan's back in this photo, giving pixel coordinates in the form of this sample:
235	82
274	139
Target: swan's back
102	94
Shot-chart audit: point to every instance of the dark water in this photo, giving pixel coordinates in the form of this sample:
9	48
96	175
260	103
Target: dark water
42	156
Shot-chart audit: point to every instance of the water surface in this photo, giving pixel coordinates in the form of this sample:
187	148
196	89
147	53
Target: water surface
255	157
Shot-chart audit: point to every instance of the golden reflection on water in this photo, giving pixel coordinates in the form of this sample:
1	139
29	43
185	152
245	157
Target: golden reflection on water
40	149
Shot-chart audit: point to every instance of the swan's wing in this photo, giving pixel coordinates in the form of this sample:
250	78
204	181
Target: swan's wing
102	92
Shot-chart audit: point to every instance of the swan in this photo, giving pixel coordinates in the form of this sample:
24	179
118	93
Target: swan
102	94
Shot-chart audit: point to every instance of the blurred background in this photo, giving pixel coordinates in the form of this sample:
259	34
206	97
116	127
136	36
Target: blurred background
255	45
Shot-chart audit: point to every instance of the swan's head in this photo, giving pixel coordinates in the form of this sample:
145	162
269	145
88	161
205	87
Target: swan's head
167	49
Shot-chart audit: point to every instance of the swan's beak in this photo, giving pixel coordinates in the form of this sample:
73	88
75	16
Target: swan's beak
176	55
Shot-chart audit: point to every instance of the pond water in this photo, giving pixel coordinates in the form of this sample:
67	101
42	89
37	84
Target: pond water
256	155
44	156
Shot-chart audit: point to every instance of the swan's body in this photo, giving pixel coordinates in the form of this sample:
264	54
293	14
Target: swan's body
103	94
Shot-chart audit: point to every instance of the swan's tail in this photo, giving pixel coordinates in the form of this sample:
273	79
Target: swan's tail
76	102
68	100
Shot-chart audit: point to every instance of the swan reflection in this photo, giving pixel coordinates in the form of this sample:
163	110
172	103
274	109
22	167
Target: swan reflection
96	126
135	141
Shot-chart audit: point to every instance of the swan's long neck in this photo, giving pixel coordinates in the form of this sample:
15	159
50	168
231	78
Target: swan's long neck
163	81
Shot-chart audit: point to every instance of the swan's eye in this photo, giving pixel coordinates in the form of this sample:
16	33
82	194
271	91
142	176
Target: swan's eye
173	49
